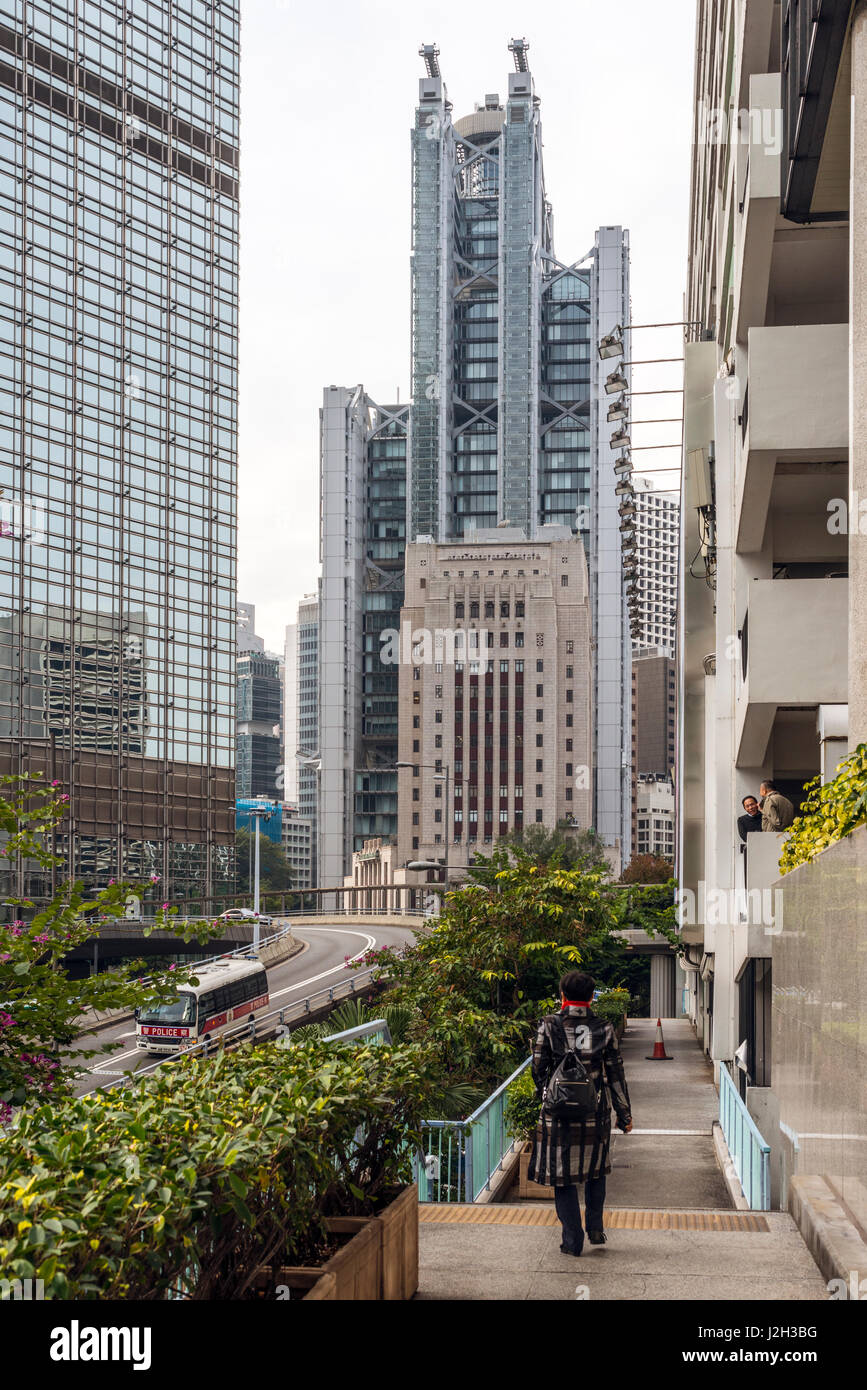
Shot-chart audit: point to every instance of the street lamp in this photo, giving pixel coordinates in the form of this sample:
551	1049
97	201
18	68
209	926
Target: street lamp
259	813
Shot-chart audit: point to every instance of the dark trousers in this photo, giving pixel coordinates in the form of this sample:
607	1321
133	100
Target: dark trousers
568	1206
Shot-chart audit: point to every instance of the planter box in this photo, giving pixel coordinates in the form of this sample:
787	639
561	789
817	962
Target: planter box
357	1267
533	1191
379	1261
399	1226
354	1272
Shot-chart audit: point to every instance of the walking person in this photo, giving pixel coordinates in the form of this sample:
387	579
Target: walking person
567	1152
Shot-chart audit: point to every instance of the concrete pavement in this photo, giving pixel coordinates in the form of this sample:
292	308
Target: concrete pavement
661	1178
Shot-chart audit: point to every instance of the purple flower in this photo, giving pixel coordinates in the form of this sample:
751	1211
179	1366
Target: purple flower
165	907
172	967
55	783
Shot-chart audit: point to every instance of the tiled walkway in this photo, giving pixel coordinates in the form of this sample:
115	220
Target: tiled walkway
673	1232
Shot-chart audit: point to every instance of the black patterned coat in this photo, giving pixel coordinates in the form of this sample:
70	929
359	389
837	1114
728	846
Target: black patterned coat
565	1153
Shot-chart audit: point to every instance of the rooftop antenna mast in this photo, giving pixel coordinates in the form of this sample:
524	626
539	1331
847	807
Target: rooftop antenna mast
431	55
518	48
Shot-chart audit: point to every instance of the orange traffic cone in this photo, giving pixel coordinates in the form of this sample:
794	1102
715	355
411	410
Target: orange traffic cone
659	1053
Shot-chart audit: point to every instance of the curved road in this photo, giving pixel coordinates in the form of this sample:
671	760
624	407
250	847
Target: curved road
317	967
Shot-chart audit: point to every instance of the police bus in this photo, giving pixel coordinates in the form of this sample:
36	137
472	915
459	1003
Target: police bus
229	991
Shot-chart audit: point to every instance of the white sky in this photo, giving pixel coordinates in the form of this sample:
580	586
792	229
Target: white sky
328	93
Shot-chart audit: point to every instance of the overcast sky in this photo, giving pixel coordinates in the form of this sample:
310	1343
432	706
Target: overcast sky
328	92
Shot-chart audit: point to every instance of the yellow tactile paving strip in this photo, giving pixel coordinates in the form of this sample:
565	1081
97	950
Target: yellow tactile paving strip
492	1214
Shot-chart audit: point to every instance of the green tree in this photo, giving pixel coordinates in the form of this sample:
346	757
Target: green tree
39	1003
566	846
275	871
647	868
477	982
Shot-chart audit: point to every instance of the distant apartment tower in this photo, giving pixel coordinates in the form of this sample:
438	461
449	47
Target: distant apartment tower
505	428
247	637
297	842
655	831
118	401
495	697
657	536
307	721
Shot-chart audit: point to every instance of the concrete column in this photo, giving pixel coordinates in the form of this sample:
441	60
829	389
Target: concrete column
662	1001
858	382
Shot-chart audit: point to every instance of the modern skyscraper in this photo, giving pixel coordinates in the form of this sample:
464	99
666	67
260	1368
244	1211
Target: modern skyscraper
363	534
259	753
118	329
504	428
259	705
306	750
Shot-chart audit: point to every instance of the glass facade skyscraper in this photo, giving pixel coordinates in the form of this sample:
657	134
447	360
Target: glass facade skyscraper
506	427
500	327
118	392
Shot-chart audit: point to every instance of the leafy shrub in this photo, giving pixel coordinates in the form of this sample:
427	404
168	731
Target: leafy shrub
522	1107
206	1170
612	1004
829	812
40	1006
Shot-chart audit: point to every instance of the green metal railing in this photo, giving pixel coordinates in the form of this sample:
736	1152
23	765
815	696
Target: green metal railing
750	1154
465	1154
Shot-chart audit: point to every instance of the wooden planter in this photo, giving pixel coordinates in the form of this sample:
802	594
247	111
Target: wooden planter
352	1272
378	1261
399	1224
357	1266
533	1191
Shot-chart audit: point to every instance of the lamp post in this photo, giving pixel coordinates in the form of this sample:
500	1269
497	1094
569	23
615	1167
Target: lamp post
259	813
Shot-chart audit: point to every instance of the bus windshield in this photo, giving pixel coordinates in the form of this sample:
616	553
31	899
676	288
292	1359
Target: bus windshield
179	1010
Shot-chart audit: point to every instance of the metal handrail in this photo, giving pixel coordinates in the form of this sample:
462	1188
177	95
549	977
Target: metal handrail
478	1148
750	1153
376	1028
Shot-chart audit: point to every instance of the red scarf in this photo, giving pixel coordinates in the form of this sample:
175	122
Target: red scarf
577	1003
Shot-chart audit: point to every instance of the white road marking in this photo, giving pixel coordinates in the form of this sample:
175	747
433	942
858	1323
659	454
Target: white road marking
370	942
704	1133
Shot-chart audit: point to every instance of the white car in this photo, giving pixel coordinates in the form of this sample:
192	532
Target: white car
245	914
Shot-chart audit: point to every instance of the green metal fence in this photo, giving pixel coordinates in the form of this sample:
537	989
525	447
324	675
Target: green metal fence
464	1155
